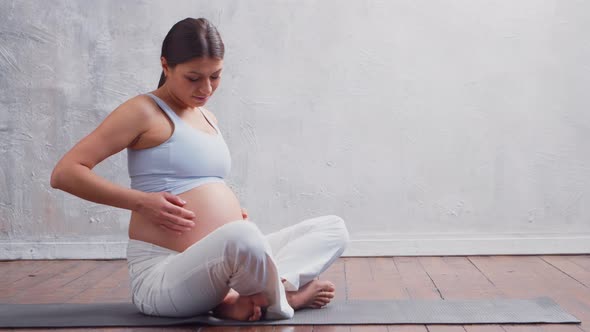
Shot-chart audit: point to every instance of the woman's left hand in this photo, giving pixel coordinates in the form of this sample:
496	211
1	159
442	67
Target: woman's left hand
244	214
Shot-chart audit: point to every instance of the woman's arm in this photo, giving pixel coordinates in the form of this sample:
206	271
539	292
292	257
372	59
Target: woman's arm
73	173
78	179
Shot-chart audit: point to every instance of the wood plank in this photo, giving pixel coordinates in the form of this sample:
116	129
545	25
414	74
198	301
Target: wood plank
370	280
568	267
458	278
103	289
530	276
407	328
331	328
581	260
384	268
357	269
100	270
12	271
55	290
21	289
119	289
368	328
414	280
24	270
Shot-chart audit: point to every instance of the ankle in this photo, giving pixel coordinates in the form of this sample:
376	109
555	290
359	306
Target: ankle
231	297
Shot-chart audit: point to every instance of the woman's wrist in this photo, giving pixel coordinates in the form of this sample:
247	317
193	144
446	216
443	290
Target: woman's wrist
137	200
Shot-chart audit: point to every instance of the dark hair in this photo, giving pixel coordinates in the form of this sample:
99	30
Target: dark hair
191	38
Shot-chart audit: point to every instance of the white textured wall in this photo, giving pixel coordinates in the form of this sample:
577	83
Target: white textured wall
431	127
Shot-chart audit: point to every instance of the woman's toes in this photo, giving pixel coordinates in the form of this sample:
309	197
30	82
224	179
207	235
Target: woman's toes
327	294
256	314
319	304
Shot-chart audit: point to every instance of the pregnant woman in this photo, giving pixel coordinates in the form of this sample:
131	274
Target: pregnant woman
192	249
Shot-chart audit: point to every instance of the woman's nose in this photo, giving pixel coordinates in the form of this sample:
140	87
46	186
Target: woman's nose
206	88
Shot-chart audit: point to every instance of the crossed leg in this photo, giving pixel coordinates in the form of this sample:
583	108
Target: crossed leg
302	252
242	273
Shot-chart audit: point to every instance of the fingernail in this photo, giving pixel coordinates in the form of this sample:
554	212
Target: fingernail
183	201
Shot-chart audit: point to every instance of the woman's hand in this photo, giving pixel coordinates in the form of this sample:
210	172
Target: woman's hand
244	214
166	210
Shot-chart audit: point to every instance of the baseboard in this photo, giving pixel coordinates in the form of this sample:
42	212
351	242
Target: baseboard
366	245
16	250
468	244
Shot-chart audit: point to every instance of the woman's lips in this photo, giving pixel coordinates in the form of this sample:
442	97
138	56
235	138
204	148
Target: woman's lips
201	98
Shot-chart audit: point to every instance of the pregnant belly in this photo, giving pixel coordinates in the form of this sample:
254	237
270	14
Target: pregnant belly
214	205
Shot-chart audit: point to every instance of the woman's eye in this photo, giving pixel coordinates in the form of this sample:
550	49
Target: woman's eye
196	79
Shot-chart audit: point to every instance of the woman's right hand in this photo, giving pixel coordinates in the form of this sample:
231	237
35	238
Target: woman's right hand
166	210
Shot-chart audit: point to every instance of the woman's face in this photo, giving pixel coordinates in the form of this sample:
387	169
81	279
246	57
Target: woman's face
194	81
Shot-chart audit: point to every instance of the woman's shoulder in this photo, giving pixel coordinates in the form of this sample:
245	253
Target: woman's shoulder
140	102
140	108
135	115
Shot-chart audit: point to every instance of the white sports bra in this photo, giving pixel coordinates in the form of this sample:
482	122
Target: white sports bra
188	159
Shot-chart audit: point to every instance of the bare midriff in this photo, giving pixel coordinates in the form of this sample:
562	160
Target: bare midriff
214	205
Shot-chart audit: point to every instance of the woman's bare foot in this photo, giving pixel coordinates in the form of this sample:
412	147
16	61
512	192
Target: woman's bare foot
315	294
238	307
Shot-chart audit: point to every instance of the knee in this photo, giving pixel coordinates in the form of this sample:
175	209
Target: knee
337	231
244	237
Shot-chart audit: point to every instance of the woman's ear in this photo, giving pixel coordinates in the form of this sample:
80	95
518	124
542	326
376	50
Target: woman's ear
164	65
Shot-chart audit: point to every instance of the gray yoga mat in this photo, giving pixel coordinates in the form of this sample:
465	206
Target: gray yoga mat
496	311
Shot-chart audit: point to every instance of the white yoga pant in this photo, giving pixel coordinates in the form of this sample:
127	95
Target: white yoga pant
237	255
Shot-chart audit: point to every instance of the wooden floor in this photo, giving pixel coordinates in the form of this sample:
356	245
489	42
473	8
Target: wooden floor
566	279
